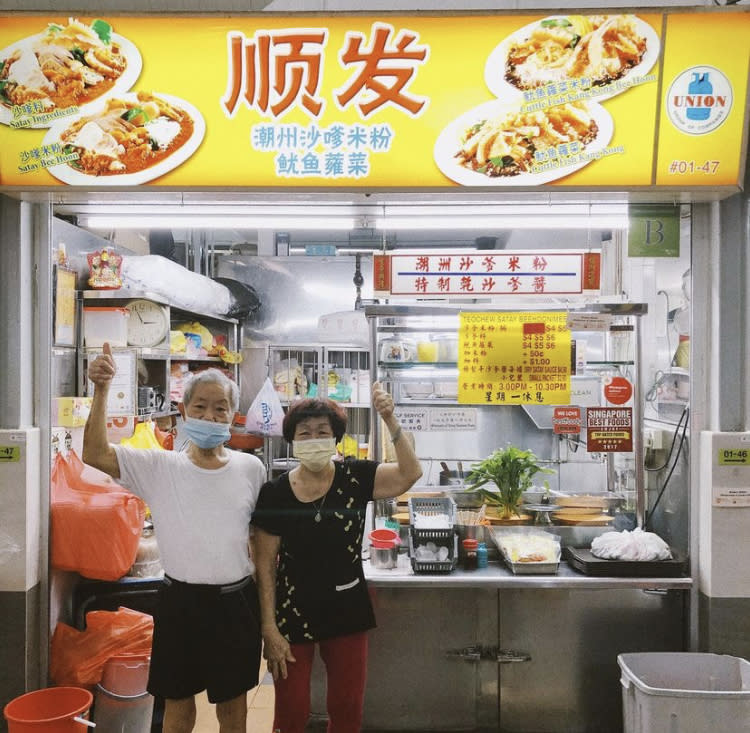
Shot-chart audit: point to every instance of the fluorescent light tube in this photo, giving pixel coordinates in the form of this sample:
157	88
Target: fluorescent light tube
210	221
550	221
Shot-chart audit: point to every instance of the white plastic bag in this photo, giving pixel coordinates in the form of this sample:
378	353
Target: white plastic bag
176	284
265	414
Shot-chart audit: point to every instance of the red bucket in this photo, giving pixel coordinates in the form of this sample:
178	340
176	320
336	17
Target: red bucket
53	709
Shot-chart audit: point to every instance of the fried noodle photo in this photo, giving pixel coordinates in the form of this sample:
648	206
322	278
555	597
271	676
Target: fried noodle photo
127	136
505	145
66	66
600	48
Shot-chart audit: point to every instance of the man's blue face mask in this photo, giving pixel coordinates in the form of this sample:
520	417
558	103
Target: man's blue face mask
205	433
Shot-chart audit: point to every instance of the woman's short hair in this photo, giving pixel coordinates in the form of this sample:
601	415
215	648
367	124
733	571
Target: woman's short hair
314	407
213	376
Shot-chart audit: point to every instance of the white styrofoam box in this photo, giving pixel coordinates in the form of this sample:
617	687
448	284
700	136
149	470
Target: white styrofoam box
344	327
105	323
684	691
364	386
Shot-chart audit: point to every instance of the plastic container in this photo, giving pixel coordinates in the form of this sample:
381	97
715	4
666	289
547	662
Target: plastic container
447	347
684	691
122	713
126	674
50	710
103	323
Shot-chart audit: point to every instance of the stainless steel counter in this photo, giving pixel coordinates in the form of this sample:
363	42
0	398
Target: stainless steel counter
486	652
496	575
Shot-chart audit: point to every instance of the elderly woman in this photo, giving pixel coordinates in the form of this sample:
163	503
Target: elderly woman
309	525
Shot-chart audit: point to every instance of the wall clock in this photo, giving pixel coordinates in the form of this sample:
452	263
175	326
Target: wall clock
148	323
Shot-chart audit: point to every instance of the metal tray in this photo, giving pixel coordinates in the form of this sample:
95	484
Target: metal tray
531	568
524	568
585	562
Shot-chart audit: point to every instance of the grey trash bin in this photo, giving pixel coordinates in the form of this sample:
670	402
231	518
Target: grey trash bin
122	713
685	692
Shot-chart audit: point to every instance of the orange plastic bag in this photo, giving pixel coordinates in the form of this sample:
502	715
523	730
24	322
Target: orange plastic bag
165	438
78	657
95	524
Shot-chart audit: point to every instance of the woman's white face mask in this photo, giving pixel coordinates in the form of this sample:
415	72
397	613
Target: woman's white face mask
314	454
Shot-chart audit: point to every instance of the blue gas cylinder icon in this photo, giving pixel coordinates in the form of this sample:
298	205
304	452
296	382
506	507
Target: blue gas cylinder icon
699	86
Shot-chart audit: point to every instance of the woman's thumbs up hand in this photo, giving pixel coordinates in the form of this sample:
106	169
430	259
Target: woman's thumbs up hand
102	369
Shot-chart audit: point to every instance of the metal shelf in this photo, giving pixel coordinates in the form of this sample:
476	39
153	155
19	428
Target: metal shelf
409	365
157	360
122	294
612	327
127	294
182	357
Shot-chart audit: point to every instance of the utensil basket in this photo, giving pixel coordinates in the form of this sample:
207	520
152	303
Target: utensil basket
442	537
432	506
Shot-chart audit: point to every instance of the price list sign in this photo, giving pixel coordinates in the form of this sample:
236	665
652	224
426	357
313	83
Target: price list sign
514	358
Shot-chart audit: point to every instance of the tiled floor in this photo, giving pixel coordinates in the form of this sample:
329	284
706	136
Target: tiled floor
259	710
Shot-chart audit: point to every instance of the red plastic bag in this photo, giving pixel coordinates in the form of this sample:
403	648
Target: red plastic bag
95	524
78	657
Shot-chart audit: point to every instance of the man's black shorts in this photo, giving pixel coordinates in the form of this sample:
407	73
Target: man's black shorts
206	637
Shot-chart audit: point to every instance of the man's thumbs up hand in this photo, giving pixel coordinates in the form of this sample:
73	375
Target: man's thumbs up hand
102	369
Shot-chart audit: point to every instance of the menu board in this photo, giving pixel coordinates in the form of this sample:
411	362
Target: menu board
625	100
514	358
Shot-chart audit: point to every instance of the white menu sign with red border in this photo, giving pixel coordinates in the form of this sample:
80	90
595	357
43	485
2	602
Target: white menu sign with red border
487	273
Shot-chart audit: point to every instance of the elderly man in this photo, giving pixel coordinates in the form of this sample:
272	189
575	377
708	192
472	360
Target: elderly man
207	628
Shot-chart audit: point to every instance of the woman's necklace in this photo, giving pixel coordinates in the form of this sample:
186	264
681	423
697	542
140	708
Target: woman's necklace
318	516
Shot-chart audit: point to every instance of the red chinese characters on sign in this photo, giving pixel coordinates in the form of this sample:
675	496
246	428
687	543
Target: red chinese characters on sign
609	429
274	71
514	358
395	63
496	274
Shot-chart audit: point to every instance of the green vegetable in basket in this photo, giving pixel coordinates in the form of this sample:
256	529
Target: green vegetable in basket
512	470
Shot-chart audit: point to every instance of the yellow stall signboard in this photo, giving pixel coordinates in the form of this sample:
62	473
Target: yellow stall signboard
430	101
514	358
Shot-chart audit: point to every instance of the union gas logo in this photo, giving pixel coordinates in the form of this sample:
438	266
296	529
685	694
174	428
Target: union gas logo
699	100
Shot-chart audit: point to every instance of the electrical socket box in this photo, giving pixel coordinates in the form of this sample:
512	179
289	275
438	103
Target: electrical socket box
653	439
728	456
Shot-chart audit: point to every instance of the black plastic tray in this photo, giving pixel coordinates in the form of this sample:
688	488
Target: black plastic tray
583	561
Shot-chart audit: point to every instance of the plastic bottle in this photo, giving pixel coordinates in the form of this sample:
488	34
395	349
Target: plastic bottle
470	554
481	555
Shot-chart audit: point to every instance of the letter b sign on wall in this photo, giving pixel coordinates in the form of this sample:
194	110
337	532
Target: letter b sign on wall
654	230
